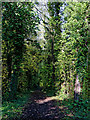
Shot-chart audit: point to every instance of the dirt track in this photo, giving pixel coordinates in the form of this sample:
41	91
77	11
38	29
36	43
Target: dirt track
41	107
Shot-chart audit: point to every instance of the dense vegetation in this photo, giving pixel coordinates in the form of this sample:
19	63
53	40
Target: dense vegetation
56	65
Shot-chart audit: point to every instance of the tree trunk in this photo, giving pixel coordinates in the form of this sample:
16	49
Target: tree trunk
77	89
9	65
13	85
53	61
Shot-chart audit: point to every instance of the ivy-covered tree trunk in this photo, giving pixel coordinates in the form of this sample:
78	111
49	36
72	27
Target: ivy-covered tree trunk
53	62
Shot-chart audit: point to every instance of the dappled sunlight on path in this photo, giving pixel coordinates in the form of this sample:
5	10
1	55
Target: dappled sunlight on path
41	107
45	100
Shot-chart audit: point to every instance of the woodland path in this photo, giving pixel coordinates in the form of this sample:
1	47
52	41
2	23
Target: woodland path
41	107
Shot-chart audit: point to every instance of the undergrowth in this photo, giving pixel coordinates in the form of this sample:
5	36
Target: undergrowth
11	109
79	109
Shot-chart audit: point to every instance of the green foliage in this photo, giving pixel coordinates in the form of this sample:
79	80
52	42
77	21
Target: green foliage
30	66
81	109
72	58
12	109
26	65
18	22
78	109
51	48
